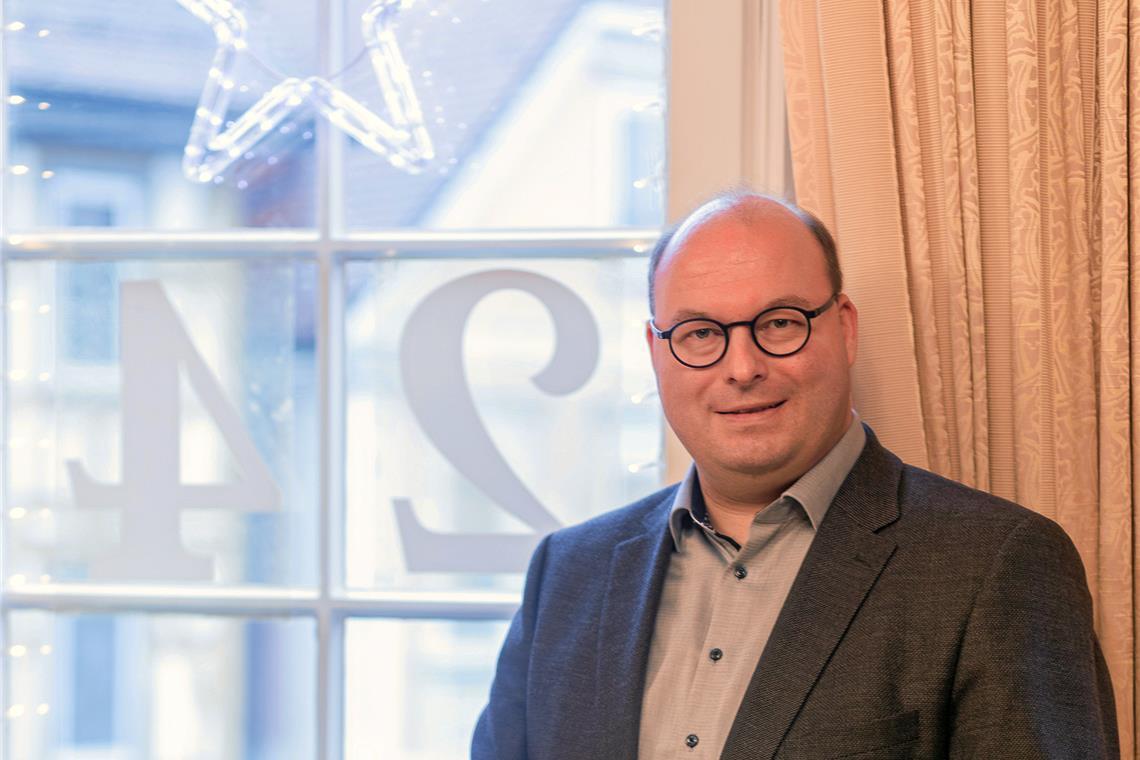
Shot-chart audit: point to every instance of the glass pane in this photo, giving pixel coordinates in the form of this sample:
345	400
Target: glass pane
161	422
415	688
103	98
540	114
472	386
160	686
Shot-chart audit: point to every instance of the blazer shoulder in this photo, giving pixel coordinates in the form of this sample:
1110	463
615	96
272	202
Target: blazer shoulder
927	497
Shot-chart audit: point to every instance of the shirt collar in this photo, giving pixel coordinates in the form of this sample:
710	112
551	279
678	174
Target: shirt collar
813	491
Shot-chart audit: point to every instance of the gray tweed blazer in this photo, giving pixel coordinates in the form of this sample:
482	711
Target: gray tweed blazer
928	620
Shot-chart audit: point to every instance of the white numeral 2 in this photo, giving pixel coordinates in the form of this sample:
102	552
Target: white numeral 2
435	384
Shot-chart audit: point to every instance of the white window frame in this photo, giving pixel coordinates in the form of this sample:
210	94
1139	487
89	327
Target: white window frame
726	127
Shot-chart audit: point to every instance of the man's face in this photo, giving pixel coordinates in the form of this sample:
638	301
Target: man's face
750	413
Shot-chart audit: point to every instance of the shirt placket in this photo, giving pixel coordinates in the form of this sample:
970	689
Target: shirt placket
725	653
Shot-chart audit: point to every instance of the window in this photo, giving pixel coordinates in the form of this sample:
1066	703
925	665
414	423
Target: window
290	399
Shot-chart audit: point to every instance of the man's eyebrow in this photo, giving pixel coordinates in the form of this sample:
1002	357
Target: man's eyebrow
684	314
799	301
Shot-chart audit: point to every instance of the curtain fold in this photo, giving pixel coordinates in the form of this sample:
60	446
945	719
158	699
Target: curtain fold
980	165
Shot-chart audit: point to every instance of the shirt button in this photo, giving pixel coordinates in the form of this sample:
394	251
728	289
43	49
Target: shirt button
715	654
692	740
740	571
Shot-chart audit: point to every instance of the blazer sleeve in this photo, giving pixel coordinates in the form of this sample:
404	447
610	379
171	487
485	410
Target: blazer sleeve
1031	681
500	733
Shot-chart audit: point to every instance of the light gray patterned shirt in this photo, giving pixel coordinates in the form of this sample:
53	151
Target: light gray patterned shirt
719	604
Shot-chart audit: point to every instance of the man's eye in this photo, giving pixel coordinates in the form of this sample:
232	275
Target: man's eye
781	323
699	334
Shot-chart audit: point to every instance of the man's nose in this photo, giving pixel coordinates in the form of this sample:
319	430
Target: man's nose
744	361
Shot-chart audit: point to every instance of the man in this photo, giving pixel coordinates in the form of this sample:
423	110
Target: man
801	593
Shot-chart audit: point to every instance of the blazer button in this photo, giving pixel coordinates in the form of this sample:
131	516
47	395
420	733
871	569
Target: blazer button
740	571
715	654
692	740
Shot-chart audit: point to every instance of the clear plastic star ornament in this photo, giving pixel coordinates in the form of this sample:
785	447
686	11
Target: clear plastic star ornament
402	138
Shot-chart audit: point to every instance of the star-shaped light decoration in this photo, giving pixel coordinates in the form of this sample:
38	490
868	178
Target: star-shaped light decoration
404	140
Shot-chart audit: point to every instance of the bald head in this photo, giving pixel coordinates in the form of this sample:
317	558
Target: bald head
750	208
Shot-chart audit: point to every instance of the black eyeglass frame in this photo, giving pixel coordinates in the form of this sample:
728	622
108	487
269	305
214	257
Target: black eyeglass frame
809	315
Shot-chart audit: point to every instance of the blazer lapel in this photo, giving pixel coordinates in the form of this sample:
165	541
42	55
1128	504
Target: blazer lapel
845	559
636	574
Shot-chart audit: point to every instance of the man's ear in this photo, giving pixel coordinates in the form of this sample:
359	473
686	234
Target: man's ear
849	321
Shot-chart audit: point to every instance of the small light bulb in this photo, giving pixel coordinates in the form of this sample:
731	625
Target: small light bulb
17	650
17	100
16	26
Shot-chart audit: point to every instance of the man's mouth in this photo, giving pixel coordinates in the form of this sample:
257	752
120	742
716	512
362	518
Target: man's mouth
754	409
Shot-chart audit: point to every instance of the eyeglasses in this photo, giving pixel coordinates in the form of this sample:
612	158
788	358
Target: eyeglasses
779	331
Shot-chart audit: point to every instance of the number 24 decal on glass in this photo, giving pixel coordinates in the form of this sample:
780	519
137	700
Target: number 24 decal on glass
155	350
431	348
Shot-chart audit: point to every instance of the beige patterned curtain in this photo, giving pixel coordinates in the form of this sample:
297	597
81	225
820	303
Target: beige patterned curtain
974	160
